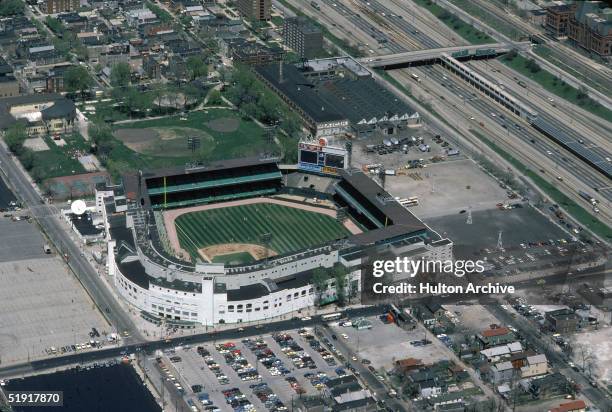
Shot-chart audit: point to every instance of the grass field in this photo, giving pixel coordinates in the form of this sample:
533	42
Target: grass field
554	85
160	143
60	161
291	229
463	29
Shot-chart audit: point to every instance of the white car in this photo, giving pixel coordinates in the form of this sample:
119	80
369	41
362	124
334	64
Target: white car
345	336
492	114
548	152
305	318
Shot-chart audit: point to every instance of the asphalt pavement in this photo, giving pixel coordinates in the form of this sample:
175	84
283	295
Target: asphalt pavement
79	264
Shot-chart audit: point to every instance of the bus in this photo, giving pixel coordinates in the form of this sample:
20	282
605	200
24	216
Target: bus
331	316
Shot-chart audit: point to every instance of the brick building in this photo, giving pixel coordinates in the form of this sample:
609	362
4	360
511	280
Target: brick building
301	35
255	9
591	28
59	6
557	19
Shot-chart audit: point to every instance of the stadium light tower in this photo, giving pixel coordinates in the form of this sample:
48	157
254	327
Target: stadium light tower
193	143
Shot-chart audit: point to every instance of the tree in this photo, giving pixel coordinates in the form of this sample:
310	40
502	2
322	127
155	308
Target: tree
319	280
533	66
120	75
15	136
291	124
11	7
511	55
214	98
196	67
340	276
136	101
583	92
251	110
77	79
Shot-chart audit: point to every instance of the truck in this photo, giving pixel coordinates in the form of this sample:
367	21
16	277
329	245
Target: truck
315	5
587	197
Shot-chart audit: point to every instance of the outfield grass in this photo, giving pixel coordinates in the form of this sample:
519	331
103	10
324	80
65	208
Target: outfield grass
291	229
556	86
571	207
467	31
248	139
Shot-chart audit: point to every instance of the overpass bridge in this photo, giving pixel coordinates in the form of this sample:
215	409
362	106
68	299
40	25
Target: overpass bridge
432	55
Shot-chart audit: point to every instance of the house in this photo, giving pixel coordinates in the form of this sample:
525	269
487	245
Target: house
554	384
535	365
41	113
495	336
437	310
501	372
408	364
8	83
562	320
497	353
349	395
573	406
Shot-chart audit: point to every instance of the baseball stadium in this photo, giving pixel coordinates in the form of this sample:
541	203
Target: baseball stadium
238	240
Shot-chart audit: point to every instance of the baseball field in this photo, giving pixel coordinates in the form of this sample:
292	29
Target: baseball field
237	234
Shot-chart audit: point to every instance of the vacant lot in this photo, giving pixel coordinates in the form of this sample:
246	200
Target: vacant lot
384	344
447	188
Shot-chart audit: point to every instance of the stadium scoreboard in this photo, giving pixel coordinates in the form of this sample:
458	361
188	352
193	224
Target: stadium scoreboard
320	157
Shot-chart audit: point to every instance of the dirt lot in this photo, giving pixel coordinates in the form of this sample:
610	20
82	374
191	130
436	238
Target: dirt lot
597	347
447	188
167	141
384	344
472	319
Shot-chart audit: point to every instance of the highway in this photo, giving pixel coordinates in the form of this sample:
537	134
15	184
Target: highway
558	162
60	237
565	56
594	93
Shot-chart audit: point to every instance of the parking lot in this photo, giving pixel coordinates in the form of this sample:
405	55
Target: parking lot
6	196
395	152
42	306
19	240
518	226
259	373
446	188
386	343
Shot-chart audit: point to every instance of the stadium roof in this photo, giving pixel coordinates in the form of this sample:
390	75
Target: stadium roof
357	99
301	91
208	167
384	202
